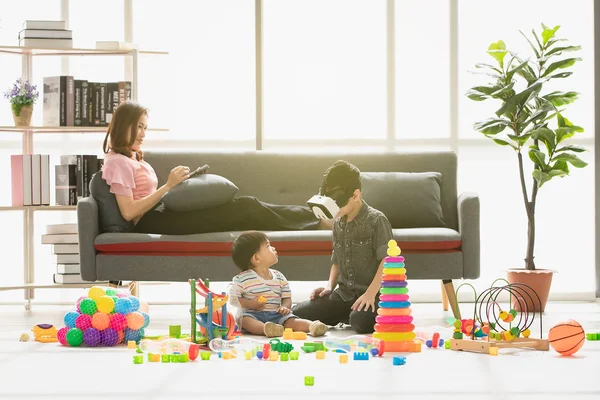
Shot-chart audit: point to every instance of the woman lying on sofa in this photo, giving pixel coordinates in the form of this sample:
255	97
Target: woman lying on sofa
134	184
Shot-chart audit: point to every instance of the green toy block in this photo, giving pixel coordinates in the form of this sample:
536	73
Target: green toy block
138	350
592	336
447	344
294	355
284	356
205	355
457	335
137	359
309	381
175	331
165	358
182	358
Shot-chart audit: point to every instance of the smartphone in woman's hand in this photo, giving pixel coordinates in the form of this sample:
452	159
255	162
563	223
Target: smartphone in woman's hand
199	171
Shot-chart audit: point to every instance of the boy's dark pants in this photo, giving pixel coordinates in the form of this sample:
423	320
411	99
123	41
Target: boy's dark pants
332	309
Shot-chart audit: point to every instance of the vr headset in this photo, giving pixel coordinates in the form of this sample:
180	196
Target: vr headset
328	206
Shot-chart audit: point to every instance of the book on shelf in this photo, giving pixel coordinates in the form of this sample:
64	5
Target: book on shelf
65	249
67	258
45	34
61	228
44	24
68	269
65	179
45	176
68	278
47	43
65	238
86	166
59	101
21	183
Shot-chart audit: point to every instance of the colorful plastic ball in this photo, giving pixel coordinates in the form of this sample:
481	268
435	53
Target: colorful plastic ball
74	337
135	303
79	301
144	307
111	292
131	334
70	318
83	322
374	352
429	343
118	322
121	337
100	321
92	337
123	306
135	320
88	306
109	337
115	298
503	315
526	333
146	319
61	335
105	304
259	355
121	295
96	292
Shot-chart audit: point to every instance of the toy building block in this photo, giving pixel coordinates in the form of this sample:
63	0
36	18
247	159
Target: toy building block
173	357
205	355
299	336
131	344
262	299
165	358
309	381
284	356
287	334
361	356
175	331
592	336
493	351
248	355
274	356
399	360
294	355
343	358
138	359
153	357
320	355
227	355
311	347
447	344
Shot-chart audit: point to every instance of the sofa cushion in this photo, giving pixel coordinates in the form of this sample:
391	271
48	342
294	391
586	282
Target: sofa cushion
203	191
110	216
290	243
408	199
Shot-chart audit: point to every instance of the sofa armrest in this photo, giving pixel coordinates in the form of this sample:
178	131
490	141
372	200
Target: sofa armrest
88	228
468	227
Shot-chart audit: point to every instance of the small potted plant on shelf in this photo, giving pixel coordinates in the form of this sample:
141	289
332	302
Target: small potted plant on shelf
22	96
532	121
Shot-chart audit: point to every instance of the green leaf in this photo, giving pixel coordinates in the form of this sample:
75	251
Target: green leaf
566	63
510	105
521	139
571	159
558	50
491	126
509	74
540	177
561	75
561	98
566	132
552	41
537	53
498	51
484	65
538	158
535	36
546	136
557	172
572	147
548	33
501	142
561	165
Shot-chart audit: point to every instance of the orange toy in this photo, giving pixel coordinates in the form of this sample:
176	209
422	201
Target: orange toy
566	337
217	319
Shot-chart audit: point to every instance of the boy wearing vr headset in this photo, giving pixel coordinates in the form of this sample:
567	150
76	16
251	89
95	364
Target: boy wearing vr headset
360	237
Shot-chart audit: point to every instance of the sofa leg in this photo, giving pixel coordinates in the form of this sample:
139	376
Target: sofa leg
134	288
444	297
449	288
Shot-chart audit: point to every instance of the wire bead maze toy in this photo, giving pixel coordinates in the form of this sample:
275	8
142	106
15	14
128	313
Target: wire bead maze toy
499	328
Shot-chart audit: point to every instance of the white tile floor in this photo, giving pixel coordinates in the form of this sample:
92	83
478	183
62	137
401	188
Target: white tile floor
36	370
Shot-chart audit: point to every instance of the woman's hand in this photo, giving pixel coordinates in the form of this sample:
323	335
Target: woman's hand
366	301
177	175
319	292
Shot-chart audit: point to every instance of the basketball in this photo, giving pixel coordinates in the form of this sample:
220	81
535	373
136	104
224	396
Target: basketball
566	337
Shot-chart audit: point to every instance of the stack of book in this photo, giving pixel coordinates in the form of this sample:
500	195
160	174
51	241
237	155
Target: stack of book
78	102
46	35
30	179
72	177
65	246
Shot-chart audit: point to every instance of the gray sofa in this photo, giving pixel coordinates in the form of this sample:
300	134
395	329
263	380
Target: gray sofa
432	252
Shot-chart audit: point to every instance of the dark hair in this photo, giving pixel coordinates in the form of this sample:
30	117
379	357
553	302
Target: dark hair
123	129
245	247
340	181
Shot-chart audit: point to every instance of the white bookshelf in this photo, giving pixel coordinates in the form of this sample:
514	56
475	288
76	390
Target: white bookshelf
28	54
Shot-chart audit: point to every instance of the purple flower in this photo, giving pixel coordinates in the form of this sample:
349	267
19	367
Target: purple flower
22	93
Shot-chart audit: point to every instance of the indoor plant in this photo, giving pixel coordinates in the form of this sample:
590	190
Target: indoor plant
531	120
22	96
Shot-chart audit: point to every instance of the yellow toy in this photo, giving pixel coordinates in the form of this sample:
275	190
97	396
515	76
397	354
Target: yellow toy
45	333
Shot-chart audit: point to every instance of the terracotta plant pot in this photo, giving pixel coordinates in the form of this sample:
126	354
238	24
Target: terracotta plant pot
24	116
539	280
